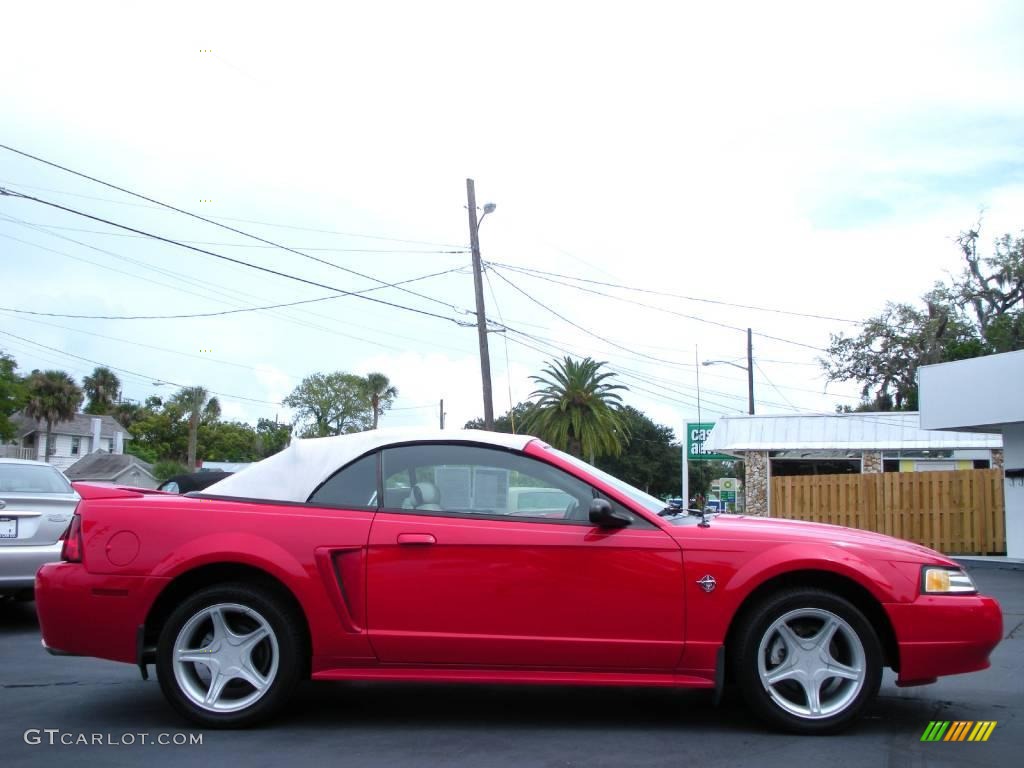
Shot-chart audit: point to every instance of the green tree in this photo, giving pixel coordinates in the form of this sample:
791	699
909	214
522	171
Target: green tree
885	355
13	394
271	437
53	397
200	407
126	413
228	441
992	289
164	470
510	422
979	312
160	432
330	404
653	461
103	389
380	394
577	409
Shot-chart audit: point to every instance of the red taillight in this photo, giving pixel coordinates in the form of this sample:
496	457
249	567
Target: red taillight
72	550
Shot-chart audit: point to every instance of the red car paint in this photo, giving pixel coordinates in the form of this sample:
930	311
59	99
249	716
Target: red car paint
391	596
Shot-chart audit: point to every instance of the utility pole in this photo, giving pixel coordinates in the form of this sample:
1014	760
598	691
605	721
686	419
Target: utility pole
442	413
750	372
481	317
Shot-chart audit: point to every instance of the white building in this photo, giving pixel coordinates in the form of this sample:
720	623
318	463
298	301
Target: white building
70	440
984	394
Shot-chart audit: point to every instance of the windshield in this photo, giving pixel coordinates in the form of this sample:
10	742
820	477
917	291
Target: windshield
30	478
647	501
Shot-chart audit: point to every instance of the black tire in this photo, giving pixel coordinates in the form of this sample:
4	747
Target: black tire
806	606
286	631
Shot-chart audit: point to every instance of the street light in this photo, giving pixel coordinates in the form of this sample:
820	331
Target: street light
749	368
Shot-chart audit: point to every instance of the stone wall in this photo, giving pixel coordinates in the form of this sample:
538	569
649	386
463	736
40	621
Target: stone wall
755	482
871	462
997	458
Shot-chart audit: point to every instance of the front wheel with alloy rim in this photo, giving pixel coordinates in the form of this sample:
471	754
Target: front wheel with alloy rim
809	661
230	655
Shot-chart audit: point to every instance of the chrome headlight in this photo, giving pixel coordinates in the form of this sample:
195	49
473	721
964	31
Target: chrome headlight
944	580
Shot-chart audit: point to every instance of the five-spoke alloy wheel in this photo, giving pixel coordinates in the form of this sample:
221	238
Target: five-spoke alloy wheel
229	655
808	660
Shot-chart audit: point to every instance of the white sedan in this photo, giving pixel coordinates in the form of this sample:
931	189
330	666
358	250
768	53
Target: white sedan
36	504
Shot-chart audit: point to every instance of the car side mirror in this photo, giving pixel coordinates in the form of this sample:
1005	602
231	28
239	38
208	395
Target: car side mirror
602	514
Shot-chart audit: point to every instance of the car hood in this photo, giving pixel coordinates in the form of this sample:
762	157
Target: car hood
773	530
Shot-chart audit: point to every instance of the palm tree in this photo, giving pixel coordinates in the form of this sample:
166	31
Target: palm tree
200	407
380	394
577	409
103	389
53	397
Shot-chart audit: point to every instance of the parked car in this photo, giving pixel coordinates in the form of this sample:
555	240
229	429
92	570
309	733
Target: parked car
36	504
300	567
539	502
192	481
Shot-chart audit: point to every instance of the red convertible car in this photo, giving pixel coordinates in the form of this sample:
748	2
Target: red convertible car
398	556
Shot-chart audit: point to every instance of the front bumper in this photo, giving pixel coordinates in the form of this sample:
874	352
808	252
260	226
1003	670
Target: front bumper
84	614
19	563
945	635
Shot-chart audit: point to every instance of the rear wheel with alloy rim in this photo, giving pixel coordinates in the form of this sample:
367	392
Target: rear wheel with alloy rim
229	656
809	661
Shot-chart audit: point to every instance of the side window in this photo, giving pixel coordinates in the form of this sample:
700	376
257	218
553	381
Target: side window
352	487
475	481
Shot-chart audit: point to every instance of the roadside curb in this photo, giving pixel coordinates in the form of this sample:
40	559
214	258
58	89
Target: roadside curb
990	562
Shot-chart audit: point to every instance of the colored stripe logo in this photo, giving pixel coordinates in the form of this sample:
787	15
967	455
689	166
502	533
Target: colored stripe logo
959	730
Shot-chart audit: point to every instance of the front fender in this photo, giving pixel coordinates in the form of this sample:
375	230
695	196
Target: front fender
710	614
786	558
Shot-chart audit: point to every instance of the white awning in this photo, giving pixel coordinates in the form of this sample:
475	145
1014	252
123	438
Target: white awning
844	431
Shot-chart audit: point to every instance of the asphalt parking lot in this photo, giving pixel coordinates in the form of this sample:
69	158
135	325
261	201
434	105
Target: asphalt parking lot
396	725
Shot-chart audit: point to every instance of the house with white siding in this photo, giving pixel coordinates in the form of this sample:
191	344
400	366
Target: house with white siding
70	440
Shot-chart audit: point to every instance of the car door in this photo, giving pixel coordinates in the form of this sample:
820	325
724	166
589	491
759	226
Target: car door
458	575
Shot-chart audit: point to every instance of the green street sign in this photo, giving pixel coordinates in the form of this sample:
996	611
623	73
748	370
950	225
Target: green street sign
696	434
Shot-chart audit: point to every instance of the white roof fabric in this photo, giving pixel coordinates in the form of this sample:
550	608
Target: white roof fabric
294	473
855	431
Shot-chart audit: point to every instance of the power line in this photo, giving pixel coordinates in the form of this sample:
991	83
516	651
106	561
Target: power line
182	244
130	372
247	245
656	308
587	331
231	300
508	365
203	357
198	314
241	262
636	375
196	216
158	206
531	270
621	370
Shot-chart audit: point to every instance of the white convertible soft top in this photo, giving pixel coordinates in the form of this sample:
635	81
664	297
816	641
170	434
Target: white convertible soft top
298	470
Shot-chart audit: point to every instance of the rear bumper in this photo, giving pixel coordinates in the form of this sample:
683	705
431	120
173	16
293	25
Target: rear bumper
83	614
945	635
19	563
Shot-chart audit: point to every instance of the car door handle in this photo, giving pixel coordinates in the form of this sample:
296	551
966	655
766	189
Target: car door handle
416	538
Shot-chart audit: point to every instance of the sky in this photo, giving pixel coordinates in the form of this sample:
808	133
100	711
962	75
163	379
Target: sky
811	158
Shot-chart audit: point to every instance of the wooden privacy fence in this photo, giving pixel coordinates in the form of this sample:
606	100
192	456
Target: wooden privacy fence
954	512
